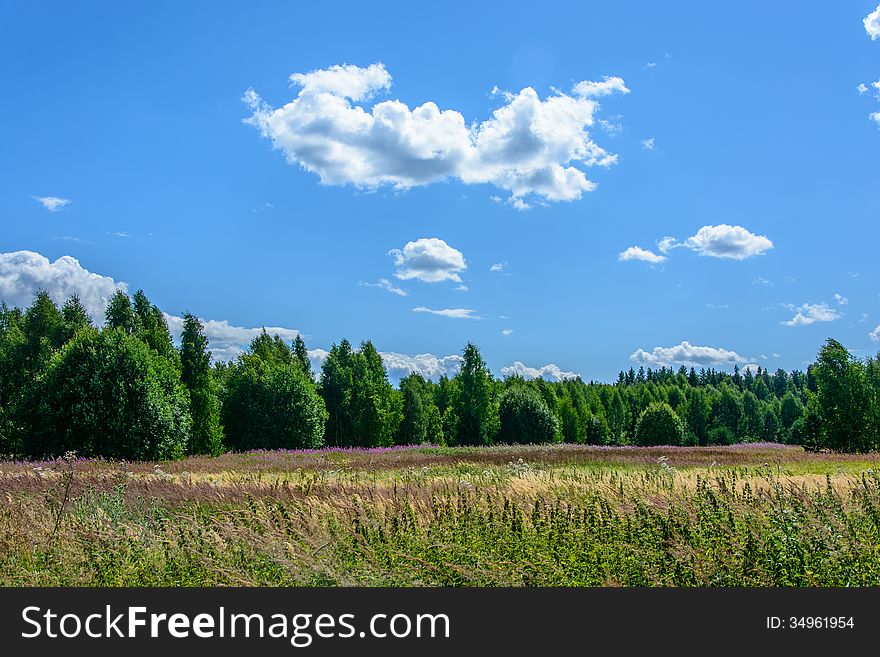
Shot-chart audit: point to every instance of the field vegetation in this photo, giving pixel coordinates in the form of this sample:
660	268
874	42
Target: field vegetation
748	515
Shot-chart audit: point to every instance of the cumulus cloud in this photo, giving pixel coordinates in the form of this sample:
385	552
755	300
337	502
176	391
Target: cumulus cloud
638	253
428	365
875	334
454	313
506	332
529	147
226	340
24	273
686	354
549	372
388	286
428	259
721	241
872	24
725	241
648	144
810	313
498	267
52	203
840	299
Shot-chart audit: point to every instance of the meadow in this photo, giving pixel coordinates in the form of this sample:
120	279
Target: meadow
558	515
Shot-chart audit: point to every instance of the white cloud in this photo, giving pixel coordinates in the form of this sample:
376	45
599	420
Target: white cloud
528	147
506	332
23	273
498	267
638	253
872	24
750	367
226	341
862	88
428	259
648	144
875	334
840	299
686	354
549	372
810	313
607	86
428	365
725	241
52	203
387	285
721	241
454	313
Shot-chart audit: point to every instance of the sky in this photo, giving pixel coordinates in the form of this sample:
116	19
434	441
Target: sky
577	188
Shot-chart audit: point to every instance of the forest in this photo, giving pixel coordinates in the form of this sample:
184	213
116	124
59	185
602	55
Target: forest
126	391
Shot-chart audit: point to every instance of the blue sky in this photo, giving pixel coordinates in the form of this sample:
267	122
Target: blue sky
746	122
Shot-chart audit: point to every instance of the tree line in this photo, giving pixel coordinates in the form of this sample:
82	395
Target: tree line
125	391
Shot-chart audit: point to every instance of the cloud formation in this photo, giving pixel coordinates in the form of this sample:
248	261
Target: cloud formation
454	313
638	253
430	260
529	147
428	365
549	372
686	354
840	299
810	313
721	241
227	340
725	241
52	203
875	334
24	273
388	286
872	24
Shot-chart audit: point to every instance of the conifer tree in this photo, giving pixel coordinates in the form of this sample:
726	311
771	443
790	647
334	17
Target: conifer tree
195	372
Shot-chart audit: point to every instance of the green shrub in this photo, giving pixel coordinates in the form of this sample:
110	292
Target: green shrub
659	425
108	394
525	418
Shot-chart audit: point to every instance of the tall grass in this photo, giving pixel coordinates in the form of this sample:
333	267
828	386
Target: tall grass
472	519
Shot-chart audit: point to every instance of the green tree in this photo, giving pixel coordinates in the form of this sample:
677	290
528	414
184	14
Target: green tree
659	425
302	355
752	417
374	403
270	403
195	359
150	326
524	416
119	313
790	411
477	417
696	415
336	389
107	394
74	318
842	394
727	409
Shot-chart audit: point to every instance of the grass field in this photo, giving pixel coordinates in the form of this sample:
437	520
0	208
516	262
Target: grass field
747	515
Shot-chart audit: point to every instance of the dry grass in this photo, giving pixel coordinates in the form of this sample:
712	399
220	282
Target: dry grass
557	515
